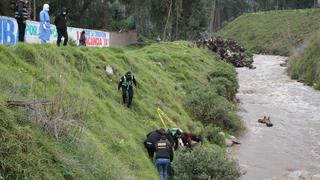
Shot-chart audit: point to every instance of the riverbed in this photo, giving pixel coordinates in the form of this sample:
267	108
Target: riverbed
293	143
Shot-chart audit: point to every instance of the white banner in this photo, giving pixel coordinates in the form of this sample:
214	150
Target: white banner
9	33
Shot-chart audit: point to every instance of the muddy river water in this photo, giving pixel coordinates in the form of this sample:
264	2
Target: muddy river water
293	143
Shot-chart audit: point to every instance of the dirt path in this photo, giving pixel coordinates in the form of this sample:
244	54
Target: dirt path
294	141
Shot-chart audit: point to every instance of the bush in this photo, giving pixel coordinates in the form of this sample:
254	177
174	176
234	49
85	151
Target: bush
205	163
212	135
225	71
206	105
224	87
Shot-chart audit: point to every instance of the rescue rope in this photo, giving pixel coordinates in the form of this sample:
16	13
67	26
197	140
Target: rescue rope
163	116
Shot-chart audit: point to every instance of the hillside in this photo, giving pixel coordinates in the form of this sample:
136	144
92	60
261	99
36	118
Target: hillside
273	32
81	129
304	65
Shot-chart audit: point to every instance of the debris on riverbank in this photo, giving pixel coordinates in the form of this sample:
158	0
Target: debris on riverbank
229	50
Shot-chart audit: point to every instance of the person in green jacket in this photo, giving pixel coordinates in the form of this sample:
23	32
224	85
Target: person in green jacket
126	84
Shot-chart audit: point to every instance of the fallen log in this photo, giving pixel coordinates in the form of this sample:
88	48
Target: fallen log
266	121
28	103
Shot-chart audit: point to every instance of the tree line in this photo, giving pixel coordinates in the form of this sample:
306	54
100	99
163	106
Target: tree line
165	19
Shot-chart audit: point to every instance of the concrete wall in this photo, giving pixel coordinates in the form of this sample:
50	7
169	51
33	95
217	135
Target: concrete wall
123	38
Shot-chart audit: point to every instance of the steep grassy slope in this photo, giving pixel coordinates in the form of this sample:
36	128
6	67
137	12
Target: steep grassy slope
110	143
274	32
305	64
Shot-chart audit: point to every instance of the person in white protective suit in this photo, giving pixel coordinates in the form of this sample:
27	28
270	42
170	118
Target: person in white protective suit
44	29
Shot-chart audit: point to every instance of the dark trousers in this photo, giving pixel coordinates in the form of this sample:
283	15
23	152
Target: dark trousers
62	33
126	91
21	29
150	148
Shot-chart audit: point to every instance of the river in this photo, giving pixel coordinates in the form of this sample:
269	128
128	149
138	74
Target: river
293	143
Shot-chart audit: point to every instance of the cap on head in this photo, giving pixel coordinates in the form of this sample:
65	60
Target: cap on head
46	7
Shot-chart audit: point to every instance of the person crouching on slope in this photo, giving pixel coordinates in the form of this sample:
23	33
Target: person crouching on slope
164	157
151	141
126	84
187	139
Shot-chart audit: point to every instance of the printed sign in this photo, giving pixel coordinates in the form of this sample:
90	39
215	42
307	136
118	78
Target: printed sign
8	30
9	33
93	38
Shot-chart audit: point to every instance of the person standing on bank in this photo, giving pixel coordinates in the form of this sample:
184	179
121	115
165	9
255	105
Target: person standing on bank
61	25
164	156
126	84
82	40
44	29
21	15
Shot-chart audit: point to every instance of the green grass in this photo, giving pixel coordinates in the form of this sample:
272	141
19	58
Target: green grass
273	32
110	145
305	64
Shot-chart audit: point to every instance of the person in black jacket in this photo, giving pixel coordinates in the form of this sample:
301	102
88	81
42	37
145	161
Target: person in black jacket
126	84
21	15
152	138
61	25
164	157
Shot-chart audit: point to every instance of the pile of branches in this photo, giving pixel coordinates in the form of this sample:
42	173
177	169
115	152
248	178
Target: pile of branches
54	118
229	51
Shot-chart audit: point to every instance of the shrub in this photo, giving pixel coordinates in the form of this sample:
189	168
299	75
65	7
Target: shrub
225	71
206	105
212	135
224	87
205	163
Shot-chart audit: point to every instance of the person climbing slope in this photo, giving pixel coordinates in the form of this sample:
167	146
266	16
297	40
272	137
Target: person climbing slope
126	84
152	138
164	157
44	29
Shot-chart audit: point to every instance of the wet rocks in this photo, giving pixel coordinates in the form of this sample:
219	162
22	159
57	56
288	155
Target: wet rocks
266	121
284	64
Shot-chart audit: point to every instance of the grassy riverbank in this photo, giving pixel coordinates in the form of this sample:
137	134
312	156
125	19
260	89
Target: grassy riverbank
305	64
86	132
274	32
